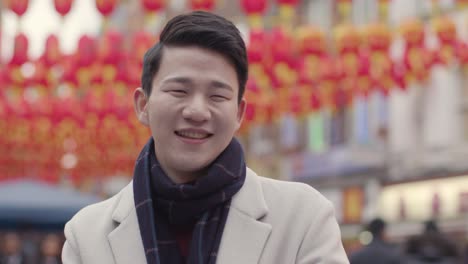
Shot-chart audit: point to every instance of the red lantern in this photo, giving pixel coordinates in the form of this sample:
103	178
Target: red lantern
288	2
462	54
353	62
69	109
133	78
153	5
311	40
52	53
347	38
418	62
284	67
83	61
377	38
254	6
63	6
42	126
251	93
19	7
97	77
111	47
413	32
20	53
315	102
364	82
399	74
348	42
110	54
287	11
4	80
417	58
298	100
121	77
447	35
70	76
86	51
282	46
254	10
256	46
311	45
445	29
40	78
208	5
106	7
328	82
141	42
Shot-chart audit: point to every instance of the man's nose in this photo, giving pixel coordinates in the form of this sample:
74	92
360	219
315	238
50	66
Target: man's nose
197	110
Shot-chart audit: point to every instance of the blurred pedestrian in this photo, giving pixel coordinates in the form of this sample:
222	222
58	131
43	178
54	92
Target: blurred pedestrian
11	250
465	251
378	250
50	249
192	198
431	246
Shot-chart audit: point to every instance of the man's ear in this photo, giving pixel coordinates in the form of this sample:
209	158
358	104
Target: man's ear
241	112
140	103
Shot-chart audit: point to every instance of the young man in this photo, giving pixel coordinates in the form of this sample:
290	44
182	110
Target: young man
192	198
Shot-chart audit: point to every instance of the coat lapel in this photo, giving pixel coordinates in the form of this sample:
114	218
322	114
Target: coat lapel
125	239
244	236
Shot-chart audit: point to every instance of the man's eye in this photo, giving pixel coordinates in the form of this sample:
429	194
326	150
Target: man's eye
178	92
218	98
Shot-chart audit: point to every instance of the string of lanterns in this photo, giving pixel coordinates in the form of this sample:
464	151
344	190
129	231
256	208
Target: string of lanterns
72	113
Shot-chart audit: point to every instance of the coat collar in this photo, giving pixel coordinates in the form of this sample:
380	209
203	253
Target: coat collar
249	199
244	235
243	231
125	239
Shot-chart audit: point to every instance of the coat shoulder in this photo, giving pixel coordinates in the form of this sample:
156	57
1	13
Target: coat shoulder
88	232
292	192
99	214
285	199
302	218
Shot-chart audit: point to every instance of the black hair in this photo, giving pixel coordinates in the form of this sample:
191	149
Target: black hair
201	29
376	227
431	226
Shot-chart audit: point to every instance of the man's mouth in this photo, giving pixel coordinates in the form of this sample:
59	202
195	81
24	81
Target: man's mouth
193	135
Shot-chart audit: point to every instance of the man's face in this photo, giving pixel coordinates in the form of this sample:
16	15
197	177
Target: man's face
192	111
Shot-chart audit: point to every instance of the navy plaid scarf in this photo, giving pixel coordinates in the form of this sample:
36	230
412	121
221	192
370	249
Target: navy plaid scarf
160	203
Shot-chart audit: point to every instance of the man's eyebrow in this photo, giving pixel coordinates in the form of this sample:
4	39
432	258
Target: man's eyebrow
181	80
218	84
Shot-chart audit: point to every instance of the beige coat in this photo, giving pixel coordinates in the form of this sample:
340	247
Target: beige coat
270	222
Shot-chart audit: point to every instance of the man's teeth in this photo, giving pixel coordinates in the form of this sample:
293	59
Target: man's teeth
193	135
